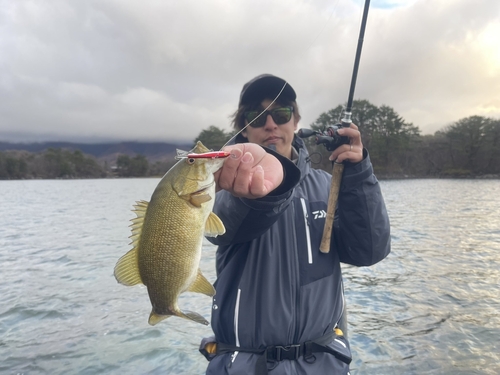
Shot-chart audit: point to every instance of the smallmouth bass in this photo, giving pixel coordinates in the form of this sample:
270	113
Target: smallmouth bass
167	236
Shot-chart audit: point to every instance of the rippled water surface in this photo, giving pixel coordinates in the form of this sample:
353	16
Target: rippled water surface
432	307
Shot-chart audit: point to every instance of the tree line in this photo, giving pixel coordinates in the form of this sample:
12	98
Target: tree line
467	148
52	163
56	163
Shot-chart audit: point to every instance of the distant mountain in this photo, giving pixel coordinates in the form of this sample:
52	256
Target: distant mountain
153	151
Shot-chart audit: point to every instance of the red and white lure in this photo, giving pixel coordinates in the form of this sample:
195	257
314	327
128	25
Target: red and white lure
210	155
203	155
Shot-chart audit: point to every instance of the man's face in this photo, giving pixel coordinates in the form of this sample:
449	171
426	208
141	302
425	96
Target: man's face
272	134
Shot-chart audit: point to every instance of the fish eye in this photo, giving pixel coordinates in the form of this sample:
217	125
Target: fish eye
191	160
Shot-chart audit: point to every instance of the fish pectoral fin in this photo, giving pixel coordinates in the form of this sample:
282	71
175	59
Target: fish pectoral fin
127	269
214	226
201	285
196	199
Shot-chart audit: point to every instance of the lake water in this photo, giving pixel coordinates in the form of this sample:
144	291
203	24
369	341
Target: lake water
432	307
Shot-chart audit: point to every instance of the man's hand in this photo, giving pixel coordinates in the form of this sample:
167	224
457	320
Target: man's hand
249	172
352	152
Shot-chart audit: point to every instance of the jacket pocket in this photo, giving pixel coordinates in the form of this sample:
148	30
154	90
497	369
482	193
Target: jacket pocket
309	223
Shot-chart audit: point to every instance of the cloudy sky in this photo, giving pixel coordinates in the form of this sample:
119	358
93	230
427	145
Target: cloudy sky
111	70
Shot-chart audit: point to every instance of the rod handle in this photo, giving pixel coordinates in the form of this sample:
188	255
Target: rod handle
338	169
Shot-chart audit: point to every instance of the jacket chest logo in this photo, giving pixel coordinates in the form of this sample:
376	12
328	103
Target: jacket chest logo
321	214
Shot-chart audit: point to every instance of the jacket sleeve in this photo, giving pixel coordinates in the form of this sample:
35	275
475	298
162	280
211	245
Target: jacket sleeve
361	228
246	219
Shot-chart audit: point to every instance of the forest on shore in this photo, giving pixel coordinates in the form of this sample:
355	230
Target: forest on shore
468	148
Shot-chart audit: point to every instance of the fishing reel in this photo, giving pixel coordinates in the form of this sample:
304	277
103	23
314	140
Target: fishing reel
329	137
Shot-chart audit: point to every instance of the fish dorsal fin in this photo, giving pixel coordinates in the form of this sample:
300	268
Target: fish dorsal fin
214	226
127	267
140	209
202	285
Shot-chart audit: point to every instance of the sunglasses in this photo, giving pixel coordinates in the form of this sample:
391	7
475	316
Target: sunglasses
280	116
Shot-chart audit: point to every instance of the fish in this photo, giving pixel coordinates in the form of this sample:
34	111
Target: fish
167	235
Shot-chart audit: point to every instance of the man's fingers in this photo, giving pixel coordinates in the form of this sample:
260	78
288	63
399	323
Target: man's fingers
243	175
257	185
228	171
249	171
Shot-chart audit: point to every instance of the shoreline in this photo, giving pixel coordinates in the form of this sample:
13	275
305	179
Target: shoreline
379	177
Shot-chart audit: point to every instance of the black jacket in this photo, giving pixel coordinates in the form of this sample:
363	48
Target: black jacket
274	286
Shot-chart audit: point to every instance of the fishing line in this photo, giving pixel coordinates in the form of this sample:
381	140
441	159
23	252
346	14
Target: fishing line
286	83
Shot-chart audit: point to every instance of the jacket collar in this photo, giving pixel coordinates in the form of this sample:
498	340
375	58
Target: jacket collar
303	162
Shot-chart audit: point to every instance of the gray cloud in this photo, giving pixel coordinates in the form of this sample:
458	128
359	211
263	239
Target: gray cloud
128	70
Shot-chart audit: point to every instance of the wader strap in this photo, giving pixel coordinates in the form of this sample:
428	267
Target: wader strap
291	352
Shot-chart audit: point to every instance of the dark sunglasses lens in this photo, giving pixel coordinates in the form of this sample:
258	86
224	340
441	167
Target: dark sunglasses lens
281	115
259	122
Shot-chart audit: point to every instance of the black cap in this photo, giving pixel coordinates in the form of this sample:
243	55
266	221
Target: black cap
266	86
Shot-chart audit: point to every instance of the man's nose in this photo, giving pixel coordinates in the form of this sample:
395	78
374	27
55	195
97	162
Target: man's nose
270	122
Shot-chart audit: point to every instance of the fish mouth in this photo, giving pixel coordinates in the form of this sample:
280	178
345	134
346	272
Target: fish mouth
204	188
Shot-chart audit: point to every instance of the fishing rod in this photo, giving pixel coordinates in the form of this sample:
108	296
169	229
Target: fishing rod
348	110
331	140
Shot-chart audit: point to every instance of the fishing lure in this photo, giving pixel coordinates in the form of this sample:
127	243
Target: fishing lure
210	155
202	155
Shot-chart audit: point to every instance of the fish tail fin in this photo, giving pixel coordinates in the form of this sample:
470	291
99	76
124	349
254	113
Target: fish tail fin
155	318
195	317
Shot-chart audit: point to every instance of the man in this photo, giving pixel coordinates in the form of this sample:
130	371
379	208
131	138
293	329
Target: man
279	299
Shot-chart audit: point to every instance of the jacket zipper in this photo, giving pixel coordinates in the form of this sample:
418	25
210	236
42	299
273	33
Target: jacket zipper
296	320
236	318
297	270
308	234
